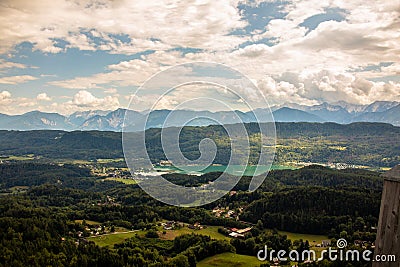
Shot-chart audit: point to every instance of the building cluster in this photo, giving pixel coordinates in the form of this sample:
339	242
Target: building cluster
196	226
237	233
225	212
109	201
364	244
342	166
165	163
92	230
108	172
324	244
170	225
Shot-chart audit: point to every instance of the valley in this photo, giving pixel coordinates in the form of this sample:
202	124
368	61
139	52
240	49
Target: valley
70	196
100	217
298	144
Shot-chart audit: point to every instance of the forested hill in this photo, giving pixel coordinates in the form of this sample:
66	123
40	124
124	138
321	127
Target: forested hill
371	144
61	215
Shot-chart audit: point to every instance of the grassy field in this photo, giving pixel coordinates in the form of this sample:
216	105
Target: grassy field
94	223
14	190
110	239
119	237
74	161
211	231
114	238
121	180
19	158
19	189
230	259
89	222
100	161
312	239
110	160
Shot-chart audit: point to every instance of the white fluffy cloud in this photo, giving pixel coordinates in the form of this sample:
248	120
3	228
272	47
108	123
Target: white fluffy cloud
326	86
84	99
16	79
149	24
43	97
283	30
8	65
297	65
11	105
4	95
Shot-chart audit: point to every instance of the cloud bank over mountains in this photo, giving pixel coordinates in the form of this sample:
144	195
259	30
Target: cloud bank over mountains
65	56
341	112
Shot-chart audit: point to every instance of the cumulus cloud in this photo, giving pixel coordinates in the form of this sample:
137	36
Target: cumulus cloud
43	97
297	64
4	95
190	96
17	105
191	23
326	86
84	99
282	30
298	10
8	65
126	73
111	91
24	102
16	79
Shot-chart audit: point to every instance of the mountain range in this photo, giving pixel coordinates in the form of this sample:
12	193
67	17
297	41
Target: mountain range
340	112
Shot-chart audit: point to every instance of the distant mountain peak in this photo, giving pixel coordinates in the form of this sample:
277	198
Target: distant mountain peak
287	114
380	106
115	120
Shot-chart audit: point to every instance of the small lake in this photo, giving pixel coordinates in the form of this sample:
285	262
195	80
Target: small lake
234	169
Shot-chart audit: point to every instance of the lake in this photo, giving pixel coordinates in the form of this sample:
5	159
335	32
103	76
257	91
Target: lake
234	169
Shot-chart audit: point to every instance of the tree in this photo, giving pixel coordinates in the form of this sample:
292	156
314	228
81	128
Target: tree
152	234
260	225
179	261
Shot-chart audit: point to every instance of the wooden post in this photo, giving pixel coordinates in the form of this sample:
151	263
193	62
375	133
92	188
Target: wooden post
388	236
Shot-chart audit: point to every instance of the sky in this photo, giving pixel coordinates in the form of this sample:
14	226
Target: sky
70	55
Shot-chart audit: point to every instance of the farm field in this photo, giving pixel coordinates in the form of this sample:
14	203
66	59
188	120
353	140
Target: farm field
113	238
121	180
88	222
230	259
110	160
312	239
211	231
19	158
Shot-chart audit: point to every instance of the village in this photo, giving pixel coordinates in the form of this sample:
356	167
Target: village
92	230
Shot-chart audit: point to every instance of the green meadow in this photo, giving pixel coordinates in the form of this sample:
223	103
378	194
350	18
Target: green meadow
113	238
230	259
